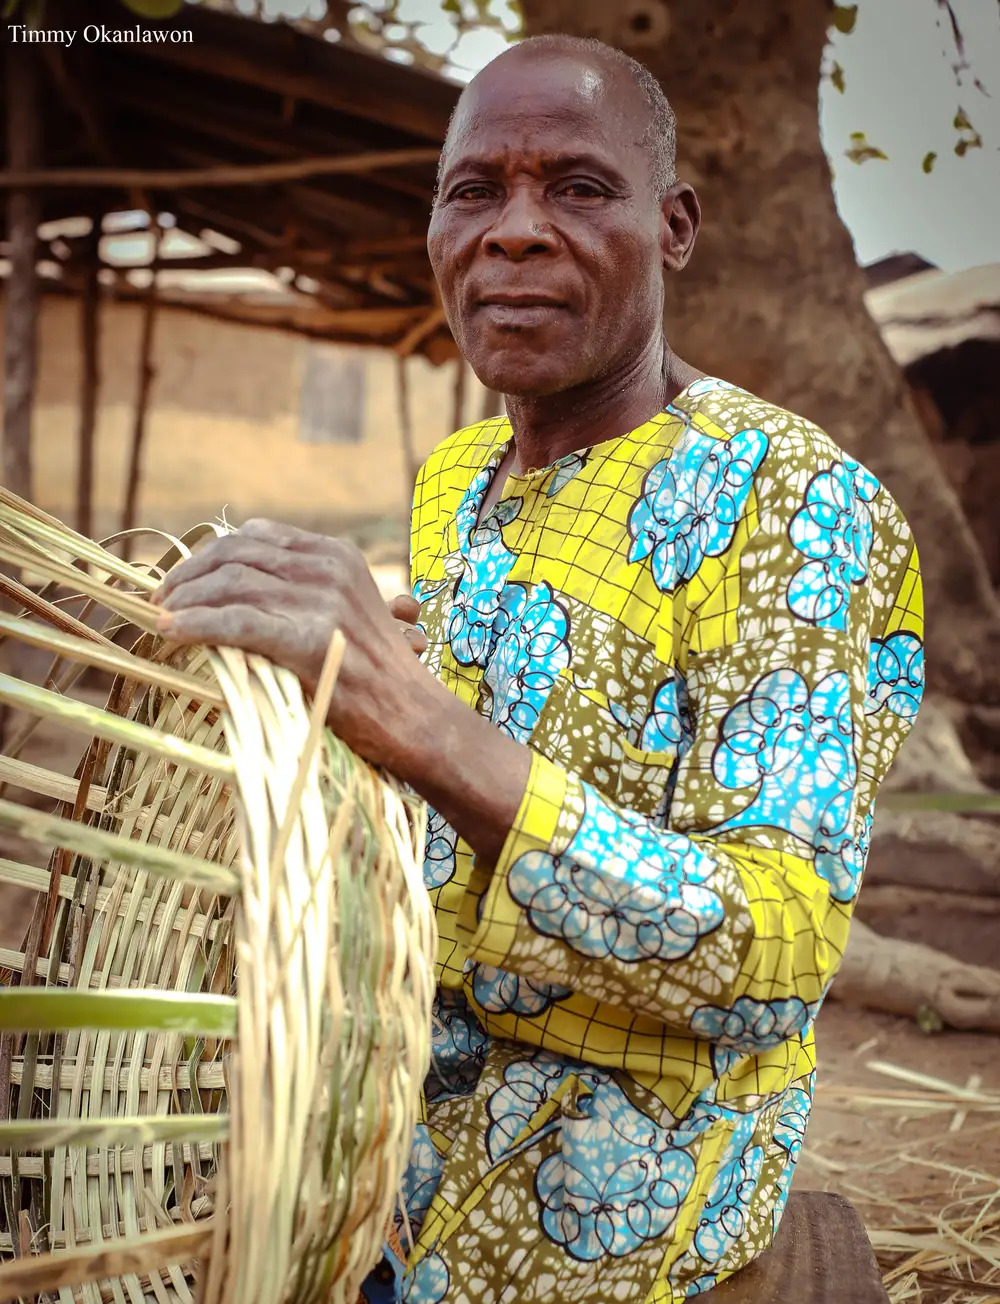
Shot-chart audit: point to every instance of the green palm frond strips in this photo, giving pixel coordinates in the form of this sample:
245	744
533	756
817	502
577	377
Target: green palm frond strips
213	1039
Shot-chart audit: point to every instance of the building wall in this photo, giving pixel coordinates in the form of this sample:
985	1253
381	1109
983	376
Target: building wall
225	430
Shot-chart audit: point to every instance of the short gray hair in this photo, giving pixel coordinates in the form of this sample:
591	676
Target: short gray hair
659	135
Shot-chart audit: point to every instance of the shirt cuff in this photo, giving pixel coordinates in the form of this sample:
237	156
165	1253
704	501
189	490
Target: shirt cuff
489	915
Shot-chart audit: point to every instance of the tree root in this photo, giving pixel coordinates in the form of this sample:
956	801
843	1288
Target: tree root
907	978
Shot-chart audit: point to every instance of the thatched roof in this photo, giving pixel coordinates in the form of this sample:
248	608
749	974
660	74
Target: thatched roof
343	232
932	311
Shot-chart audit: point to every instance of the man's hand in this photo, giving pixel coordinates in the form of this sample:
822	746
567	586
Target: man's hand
281	592
407	611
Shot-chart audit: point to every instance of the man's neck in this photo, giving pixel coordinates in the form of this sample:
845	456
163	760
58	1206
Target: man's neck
548	428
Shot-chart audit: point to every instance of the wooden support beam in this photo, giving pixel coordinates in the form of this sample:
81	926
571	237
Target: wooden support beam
458	396
81	102
413	338
343	200
155	100
90	379
274	57
147	374
220	176
411	463
493	405
24	150
399	244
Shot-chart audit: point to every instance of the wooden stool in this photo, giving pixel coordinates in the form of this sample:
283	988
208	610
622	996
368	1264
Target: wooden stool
821	1255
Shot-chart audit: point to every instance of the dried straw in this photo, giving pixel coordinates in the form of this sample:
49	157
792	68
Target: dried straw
940	1243
213	1040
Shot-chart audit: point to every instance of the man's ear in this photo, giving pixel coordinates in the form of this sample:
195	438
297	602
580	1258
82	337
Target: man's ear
680	221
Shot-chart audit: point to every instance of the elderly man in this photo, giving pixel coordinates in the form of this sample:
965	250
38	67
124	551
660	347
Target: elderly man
671	642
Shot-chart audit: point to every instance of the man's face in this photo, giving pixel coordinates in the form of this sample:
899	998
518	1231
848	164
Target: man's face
547	240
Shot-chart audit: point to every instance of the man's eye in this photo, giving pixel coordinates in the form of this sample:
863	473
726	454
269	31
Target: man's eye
472	191
582	190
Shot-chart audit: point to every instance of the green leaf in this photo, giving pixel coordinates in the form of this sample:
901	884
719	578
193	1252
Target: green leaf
87	719
861	151
54	1009
837	77
970	138
844	18
452	7
154	8
929	1021
929	160
98	844
139	1131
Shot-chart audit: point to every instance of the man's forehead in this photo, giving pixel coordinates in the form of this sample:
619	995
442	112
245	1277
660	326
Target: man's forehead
543	84
560	100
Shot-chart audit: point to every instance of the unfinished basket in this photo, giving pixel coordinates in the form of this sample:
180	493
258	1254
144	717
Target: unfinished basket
213	1042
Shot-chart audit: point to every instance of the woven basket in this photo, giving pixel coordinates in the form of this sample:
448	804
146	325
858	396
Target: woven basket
213	1041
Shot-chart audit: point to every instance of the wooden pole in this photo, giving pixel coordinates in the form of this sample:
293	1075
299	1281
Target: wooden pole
20	334
147	374
90	344
458	407
493	405
24	149
411	465
223	175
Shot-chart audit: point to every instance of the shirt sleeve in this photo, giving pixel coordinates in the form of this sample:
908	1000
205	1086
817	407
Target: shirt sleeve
802	669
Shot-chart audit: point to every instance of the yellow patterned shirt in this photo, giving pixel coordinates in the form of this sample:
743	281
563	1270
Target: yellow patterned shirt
708	632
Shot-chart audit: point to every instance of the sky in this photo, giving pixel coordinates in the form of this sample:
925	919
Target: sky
900	90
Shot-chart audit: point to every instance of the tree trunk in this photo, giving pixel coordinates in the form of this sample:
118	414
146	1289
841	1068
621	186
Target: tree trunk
773	297
24	154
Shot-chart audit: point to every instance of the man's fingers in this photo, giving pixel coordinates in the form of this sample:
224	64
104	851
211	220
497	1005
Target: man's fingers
241	626
291	537
405	608
214	555
416	637
230	584
235	550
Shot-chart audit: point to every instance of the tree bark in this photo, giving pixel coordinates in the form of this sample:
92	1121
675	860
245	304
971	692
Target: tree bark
772	299
24	151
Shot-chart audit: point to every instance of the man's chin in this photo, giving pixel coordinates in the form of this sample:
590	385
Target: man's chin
523	368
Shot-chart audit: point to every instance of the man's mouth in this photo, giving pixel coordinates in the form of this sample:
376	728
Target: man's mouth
520	311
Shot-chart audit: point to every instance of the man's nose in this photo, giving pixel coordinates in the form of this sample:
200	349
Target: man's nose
520	230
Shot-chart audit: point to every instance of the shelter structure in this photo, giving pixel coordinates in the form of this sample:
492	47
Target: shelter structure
306	157
943	329
267	176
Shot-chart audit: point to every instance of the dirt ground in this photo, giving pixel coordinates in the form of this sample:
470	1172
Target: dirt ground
896	1162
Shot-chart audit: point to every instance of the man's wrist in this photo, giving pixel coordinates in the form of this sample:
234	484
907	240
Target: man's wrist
470	772
419	728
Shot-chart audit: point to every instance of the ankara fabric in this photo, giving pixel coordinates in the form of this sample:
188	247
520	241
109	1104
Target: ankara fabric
709	633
